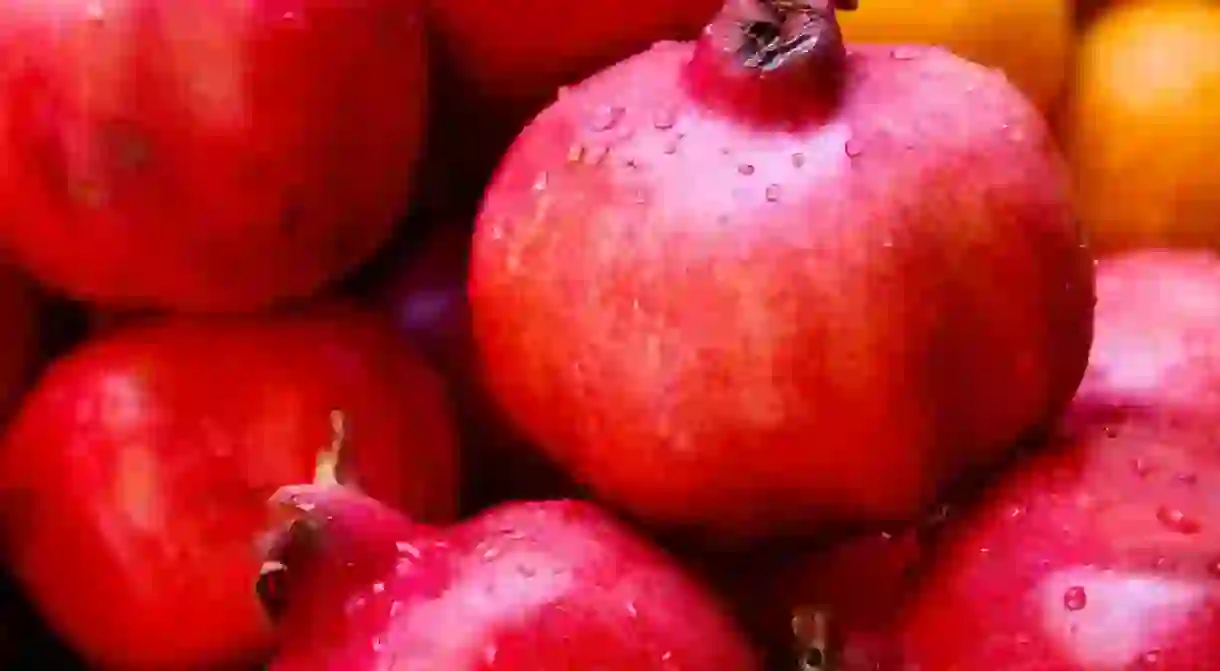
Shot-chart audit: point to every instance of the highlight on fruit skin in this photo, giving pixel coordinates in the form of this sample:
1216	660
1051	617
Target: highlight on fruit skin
750	296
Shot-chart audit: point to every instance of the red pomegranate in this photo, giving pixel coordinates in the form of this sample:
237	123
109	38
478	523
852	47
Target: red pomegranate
205	155
527	586
763	281
137	471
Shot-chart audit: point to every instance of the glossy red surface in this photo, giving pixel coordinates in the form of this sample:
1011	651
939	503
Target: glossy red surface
137	473
728	318
205	155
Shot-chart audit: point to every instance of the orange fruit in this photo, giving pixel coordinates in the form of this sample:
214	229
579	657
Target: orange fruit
1030	40
1143	130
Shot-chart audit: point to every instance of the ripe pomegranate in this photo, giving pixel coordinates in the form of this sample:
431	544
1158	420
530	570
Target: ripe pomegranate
1157	346
1101	553
138	468
208	156
547	586
762	281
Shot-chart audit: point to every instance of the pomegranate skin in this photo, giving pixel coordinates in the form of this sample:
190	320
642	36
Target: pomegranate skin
208	156
1101	552
526	586
136	472
750	319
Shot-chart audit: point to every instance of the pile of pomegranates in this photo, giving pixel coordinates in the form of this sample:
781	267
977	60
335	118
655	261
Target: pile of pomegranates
646	336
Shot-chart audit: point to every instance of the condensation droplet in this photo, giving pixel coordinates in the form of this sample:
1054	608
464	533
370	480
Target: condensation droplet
852	148
664	119
606	117
798	160
540	182
671	144
745	169
1075	598
576	153
772	193
903	54
1177	521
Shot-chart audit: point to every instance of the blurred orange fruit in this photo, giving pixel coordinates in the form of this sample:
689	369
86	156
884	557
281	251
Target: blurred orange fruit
1030	40
1143	130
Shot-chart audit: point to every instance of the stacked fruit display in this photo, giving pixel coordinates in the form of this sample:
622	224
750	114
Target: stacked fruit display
682	335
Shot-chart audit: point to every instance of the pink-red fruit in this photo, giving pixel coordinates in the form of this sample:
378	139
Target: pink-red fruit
761	281
550	586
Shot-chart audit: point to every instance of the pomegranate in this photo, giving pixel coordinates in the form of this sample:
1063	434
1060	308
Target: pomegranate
199	155
146	457
764	281
1101	553
528	586
1158	334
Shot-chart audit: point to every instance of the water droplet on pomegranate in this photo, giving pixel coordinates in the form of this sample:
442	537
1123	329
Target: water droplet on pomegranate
745	169
1140	467
378	587
606	117
541	181
671	144
378	644
407	549
664	119
1016	512
639	197
395	608
1213	567
1177	521
597	155
1111	432
1075	598
1151	658
798	160
773	193
631	610
1187	478
576	153
852	148
903	54
887	244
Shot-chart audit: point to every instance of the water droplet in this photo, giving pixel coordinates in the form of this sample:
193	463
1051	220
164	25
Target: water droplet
491	553
1177	521
606	117
1151	658
408	549
631	610
745	169
378	587
887	244
903	54
671	144
1016	512
378	644
1141	467
576	153
664	119
1111	432
356	604
1213	567
541	181
639	197
798	160
395	608
597	155
852	148
1187	478
1075	598
490	654
773	193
